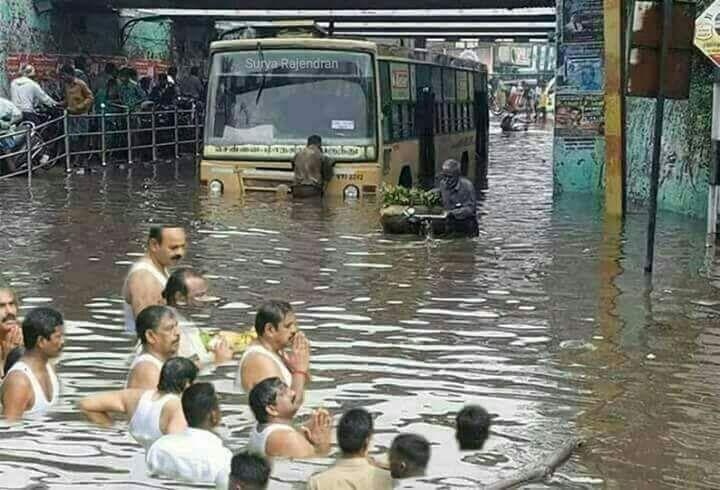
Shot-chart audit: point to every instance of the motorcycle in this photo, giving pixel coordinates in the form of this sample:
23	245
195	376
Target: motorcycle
14	145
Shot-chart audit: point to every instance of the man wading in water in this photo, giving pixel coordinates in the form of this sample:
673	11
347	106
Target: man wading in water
276	328
148	276
10	332
312	169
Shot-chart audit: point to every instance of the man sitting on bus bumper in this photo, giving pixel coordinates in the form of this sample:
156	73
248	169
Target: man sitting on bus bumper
312	169
458	198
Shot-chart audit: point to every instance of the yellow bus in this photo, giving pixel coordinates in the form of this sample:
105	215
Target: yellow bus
384	114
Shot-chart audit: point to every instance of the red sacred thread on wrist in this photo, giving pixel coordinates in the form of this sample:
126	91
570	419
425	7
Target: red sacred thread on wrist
307	376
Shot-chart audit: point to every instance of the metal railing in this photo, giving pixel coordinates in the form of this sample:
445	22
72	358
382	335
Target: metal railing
103	135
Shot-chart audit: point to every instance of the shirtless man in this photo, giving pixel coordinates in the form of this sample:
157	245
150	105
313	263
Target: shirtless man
159	334
265	357
31	386
273	404
10	331
147	277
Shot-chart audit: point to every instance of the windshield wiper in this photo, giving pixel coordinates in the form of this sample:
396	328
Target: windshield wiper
263	68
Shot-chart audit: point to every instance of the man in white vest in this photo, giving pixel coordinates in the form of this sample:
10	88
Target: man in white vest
148	276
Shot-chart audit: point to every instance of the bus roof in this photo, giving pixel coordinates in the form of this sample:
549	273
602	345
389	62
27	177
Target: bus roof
294	42
384	51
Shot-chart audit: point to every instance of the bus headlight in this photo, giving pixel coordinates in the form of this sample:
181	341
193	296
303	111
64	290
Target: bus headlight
216	186
351	192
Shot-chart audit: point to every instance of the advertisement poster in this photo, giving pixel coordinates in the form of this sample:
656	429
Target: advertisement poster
400	81
47	66
579	115
582	21
581	68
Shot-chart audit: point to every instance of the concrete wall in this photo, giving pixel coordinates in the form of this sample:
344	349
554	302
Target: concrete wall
24	30
685	157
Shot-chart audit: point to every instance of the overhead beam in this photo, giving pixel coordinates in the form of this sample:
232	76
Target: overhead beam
325	5
452	34
542	15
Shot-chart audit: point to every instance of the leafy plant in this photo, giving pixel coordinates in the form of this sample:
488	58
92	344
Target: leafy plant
398	195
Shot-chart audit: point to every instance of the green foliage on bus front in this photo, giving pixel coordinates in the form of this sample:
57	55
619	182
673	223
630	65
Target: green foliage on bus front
398	195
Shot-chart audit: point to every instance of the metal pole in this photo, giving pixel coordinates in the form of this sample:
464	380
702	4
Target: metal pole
154	136
67	141
28	155
103	142
177	134
666	33
129	137
714	189
197	129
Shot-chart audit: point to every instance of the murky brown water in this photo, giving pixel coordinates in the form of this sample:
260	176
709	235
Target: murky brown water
544	319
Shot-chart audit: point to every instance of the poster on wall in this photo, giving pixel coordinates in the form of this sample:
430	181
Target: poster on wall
579	115
581	68
582	21
47	66
400	81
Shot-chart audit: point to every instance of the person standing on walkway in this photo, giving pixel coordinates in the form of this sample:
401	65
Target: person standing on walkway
31	386
148	276
159	335
28	95
78	102
353	471
81	70
276	328
10	331
192	86
150	413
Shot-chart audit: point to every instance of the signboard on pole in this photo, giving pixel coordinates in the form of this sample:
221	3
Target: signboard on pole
707	37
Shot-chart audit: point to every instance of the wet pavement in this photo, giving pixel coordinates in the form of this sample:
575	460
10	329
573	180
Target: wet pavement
545	319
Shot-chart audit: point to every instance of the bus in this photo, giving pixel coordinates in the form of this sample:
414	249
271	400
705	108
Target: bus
385	114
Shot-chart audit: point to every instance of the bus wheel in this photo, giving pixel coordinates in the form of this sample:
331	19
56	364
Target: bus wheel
405	179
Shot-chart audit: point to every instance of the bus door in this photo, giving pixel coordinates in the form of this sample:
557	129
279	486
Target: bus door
482	130
425	122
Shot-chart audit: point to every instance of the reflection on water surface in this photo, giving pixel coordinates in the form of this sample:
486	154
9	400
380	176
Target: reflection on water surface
543	319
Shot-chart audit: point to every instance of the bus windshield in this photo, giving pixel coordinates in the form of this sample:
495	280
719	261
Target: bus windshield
265	103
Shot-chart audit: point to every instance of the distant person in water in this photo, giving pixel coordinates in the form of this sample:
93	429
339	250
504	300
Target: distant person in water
159	334
409	456
147	278
187	289
458	198
31	387
277	330
472	427
150	413
10	330
249	471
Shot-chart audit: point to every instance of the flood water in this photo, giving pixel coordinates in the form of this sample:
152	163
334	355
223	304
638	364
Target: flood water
545	319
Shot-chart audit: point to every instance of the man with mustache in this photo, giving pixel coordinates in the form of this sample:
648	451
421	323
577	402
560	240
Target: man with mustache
159	334
10	332
31	385
148	276
277	330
